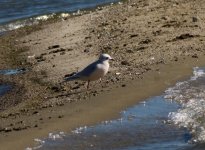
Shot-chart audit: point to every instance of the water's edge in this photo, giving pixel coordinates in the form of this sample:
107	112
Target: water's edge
61	14
4	87
155	123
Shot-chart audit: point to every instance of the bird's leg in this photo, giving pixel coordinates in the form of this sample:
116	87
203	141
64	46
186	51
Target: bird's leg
88	85
100	80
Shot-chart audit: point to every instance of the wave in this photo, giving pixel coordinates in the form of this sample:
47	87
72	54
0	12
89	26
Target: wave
191	95
30	21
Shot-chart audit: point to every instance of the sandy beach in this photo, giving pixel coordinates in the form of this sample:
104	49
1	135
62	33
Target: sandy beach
155	43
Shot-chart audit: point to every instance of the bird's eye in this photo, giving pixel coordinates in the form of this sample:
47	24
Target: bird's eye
107	58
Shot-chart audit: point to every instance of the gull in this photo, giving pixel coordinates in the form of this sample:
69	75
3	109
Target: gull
94	71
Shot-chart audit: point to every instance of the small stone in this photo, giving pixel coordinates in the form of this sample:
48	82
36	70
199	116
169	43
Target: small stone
133	35
175	58
76	87
130	51
89	45
146	41
195	56
53	46
62	53
86	50
60	116
125	62
17	128
55	88
88	37
194	19
35	112
35	126
140	48
7	129
123	85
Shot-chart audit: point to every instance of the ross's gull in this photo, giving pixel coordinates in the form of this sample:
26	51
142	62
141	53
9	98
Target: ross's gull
94	71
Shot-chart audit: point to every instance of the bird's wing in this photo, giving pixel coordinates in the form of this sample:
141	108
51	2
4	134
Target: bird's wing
88	70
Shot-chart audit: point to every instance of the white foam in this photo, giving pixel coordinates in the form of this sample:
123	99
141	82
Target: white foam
55	136
79	130
30	21
191	95
64	15
197	73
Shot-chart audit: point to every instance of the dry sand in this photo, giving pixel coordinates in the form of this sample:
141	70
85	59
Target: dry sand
154	42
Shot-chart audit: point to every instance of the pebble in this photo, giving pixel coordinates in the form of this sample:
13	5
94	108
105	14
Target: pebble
133	35
175	58
123	85
35	126
184	36
194	19
57	51
195	56
130	51
147	41
62	53
55	88
60	116
86	50
125	62
7	129
35	112
53	46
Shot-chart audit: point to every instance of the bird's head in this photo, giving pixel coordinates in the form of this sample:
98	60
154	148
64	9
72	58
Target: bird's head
105	57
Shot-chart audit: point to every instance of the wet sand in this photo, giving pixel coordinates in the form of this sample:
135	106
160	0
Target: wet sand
154	43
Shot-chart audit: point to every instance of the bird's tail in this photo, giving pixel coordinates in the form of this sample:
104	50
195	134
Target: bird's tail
74	77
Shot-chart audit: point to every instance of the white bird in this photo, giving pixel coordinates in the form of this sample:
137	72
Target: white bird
94	71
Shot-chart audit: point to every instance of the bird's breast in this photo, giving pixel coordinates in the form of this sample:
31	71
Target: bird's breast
100	71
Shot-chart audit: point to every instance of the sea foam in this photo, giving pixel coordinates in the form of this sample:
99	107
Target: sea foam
191	95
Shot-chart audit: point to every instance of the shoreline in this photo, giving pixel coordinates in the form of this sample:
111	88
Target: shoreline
154	46
39	18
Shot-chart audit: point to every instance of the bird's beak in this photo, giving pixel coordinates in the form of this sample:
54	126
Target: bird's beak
112	59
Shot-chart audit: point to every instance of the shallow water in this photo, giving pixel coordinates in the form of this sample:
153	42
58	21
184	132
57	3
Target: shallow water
15	14
172	121
140	127
11	71
4	88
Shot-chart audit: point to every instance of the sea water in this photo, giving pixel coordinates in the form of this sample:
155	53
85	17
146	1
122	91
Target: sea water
4	88
15	14
171	121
